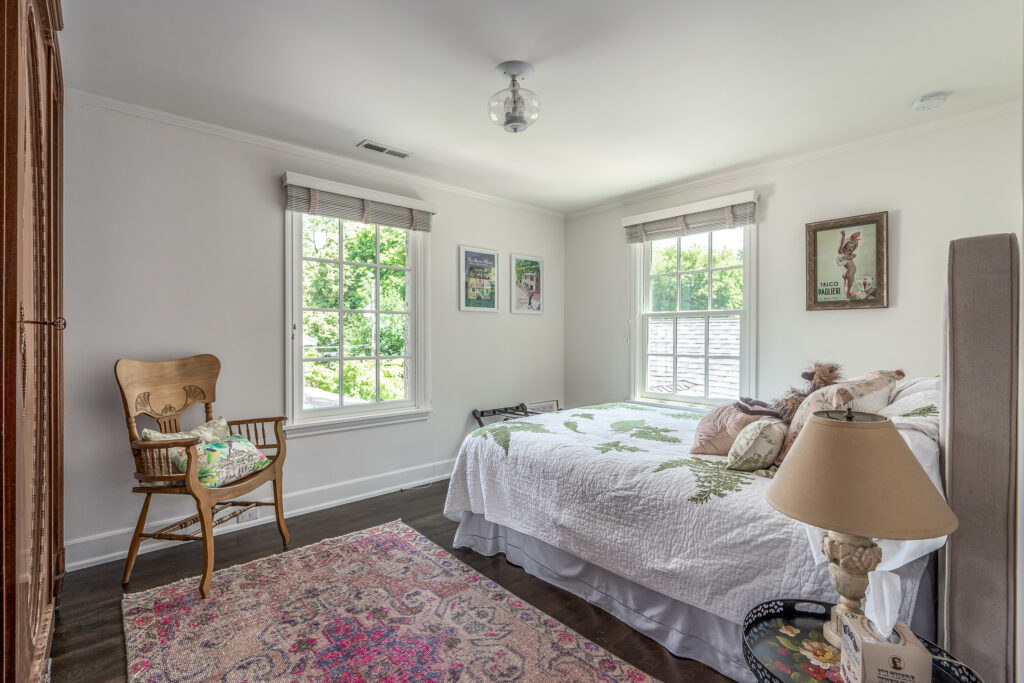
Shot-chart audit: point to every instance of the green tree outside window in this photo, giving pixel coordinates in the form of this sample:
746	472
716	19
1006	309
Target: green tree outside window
350	272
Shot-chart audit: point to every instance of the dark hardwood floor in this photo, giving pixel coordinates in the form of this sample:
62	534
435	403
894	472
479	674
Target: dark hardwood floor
88	643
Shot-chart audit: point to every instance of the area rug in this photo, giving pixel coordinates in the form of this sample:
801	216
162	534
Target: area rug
383	604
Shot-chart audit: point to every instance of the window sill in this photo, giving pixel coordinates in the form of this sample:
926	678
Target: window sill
349	422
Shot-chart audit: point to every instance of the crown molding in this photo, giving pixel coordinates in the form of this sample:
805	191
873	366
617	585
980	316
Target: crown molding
720	177
122	107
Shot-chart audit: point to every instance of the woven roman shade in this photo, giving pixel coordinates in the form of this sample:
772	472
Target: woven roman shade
323	203
723	218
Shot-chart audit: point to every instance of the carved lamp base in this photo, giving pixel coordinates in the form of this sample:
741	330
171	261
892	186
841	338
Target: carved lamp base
850	558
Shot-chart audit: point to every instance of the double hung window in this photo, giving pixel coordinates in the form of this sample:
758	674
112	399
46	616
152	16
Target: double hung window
695	301
357	337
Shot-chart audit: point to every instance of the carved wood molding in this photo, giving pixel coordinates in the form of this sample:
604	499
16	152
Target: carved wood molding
193	394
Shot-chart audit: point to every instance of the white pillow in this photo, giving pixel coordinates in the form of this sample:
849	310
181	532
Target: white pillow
873	402
914	385
214	430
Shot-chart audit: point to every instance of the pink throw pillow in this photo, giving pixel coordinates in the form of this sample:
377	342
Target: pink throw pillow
719	428
836	396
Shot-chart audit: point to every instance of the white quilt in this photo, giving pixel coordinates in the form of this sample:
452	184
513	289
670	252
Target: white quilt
616	486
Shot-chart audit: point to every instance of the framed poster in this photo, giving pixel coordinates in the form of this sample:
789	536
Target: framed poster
478	279
527	274
847	263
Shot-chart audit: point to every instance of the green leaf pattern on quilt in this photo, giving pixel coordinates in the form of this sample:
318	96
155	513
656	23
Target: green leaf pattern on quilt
609	406
639	429
501	432
618	447
923	411
654	434
572	425
585	416
712	477
626	425
684	415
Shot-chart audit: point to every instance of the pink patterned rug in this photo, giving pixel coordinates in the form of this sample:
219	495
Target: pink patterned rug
383	604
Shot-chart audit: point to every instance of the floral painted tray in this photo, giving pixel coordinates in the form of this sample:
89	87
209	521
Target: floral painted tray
783	641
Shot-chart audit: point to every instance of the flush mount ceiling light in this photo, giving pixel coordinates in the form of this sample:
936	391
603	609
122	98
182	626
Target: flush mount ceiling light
929	101
514	108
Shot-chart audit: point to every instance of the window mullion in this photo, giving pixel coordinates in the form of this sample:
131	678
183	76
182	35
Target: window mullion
707	363
376	272
341	317
675	357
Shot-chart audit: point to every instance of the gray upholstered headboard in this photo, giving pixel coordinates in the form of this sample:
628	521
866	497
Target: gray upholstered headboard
976	577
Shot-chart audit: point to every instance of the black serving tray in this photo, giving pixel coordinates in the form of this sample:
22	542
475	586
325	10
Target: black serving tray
761	645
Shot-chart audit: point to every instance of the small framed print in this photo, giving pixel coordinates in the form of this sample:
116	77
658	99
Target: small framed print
847	263
527	275
543	406
478	279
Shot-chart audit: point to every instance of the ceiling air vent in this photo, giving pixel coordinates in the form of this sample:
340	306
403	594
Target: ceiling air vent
384	149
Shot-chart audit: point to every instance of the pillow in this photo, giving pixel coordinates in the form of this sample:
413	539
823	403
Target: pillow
914	385
717	430
836	396
757	445
224	461
214	430
874	402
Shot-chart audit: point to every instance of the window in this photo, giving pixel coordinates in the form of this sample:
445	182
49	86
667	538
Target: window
696	333
355	326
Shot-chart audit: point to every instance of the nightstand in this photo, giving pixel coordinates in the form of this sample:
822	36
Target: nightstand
783	642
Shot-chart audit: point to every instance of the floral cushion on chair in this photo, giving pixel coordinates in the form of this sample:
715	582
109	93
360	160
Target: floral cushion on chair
214	430
223	462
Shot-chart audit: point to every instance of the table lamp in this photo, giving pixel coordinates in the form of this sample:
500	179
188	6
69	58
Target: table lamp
853	474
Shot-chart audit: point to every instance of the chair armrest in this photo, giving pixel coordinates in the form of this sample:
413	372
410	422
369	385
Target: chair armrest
153	460
162	445
263	432
256	420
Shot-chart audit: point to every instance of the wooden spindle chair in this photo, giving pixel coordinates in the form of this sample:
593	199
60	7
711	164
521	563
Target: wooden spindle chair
164	390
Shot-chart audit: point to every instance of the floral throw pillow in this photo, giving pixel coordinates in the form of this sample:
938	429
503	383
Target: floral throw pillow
214	430
222	462
836	396
757	445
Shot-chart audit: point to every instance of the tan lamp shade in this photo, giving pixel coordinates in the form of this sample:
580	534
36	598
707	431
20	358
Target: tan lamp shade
858	477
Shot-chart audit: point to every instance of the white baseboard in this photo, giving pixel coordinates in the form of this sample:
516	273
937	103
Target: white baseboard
113	545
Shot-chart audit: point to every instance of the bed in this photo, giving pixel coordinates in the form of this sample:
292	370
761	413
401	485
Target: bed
530	492
607	502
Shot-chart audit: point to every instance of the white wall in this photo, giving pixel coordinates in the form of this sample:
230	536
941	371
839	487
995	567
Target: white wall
174	242
936	183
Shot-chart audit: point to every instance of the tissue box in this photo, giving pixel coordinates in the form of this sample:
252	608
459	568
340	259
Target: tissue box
869	658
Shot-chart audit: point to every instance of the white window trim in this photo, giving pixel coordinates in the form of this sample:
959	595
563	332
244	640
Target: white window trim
417	407
636	336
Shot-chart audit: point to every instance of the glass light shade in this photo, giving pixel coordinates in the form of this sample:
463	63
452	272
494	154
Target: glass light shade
514	109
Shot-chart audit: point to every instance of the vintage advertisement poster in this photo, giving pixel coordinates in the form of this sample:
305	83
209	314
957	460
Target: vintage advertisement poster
527	289
479	279
846	263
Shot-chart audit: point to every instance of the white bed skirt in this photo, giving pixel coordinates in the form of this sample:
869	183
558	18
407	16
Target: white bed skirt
684	630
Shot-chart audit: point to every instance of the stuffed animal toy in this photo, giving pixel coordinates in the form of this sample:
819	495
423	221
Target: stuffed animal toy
820	375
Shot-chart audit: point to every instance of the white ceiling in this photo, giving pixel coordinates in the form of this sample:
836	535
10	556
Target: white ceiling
634	94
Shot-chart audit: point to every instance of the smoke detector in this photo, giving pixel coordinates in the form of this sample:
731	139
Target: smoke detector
929	101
